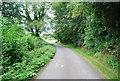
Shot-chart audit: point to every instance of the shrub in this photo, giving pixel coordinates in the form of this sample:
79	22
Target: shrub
23	55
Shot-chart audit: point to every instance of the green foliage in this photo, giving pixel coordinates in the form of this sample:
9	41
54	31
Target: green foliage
13	45
68	28
30	14
35	23
92	25
23	55
31	63
11	10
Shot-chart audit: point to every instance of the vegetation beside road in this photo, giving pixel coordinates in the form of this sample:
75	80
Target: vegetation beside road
23	55
98	60
89	27
92	26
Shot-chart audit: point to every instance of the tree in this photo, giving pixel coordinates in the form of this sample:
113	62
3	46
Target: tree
91	25
11	10
71	24
34	14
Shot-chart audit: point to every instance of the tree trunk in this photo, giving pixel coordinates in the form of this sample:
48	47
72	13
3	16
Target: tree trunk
36	32
31	29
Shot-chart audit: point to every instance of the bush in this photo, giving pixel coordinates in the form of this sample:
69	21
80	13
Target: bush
13	46
31	64
23	55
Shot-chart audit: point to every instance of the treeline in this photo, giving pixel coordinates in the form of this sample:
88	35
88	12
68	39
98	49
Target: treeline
24	52
93	25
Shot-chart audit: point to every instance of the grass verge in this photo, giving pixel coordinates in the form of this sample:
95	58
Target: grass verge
104	68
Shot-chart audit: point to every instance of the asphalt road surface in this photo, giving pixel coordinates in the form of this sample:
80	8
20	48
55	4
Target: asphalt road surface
66	64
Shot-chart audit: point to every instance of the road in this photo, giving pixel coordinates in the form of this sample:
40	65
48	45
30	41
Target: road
66	64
